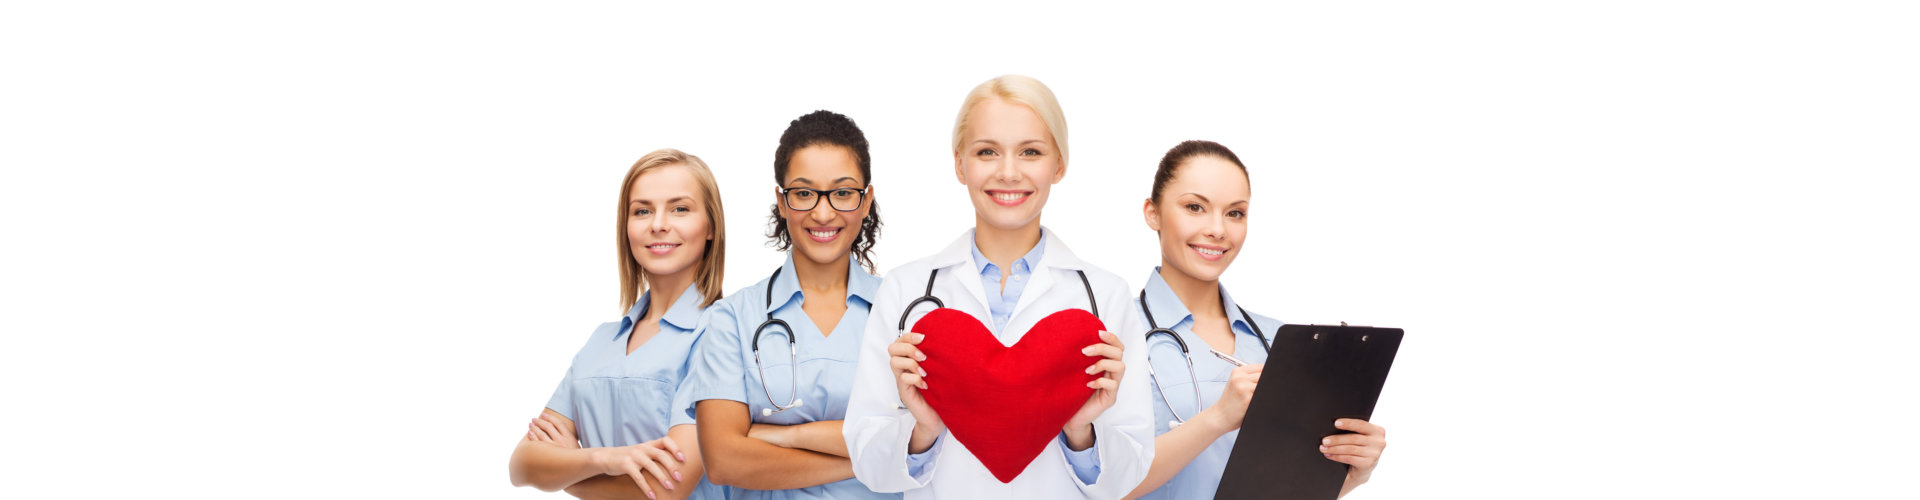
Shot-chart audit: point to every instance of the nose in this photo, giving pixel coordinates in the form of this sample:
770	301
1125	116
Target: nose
1004	171
658	223
1217	226
822	212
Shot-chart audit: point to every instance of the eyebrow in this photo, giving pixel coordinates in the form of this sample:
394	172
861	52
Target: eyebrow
669	200
797	180
1200	196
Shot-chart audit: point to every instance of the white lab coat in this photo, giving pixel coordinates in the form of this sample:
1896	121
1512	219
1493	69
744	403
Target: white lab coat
877	427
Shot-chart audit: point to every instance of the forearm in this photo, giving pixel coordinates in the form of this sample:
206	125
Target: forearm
822	436
1351	483
749	463
1178	447
549	467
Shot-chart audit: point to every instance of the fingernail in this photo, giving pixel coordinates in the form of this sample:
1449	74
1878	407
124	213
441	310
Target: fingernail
1326	441
918	336
682	457
919	356
1340	423
1323	448
676	475
923	372
1088	350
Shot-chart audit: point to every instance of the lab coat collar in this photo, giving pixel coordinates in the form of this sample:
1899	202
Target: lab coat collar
960	253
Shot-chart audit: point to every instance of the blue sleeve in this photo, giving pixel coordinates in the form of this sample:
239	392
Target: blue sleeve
1085	463
562	400
717	370
917	462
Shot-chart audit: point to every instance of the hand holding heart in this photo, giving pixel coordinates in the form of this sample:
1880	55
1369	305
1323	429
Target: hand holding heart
909	379
1079	429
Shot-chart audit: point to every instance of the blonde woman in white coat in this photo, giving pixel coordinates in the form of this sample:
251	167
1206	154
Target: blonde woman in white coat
1008	272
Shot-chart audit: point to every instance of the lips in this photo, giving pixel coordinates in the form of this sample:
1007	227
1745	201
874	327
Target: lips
1209	252
824	234
662	248
1008	198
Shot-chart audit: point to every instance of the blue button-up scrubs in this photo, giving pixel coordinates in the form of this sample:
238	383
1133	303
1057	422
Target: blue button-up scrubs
621	399
1201	477
723	364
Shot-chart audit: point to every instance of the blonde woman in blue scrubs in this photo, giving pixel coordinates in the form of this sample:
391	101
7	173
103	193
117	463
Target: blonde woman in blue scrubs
1008	272
770	420
1198	205
609	430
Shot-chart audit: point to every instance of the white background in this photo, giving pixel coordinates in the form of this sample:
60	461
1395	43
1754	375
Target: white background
346	249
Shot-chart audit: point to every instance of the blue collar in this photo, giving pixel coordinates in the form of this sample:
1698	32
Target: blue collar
684	314
1025	263
1168	311
786	289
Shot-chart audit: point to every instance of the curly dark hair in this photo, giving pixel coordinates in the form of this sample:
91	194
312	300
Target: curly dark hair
816	129
1180	154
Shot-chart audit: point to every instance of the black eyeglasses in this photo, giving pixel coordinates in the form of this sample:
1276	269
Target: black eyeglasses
842	199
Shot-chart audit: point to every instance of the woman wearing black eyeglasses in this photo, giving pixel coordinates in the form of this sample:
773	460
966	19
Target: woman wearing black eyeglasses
771	376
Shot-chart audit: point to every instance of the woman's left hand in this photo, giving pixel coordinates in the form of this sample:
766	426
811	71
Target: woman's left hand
545	428
1360	450
1079	429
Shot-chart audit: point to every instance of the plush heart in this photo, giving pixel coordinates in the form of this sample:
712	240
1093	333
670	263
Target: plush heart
1005	403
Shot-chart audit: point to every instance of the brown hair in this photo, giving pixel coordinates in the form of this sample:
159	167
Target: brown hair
1183	152
633	278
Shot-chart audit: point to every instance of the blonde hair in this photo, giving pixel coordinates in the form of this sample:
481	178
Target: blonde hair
1020	89
633	278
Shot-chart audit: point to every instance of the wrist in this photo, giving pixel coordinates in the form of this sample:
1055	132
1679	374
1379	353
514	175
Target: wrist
1215	421
1079	437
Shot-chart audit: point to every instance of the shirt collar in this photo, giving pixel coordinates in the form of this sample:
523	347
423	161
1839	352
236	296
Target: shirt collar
1168	311
859	283
962	251
1028	261
683	315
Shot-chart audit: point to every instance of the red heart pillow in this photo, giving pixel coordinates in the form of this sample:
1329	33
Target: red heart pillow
1005	403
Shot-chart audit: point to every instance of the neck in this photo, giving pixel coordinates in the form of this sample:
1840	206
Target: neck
665	290
1003	246
815	276
1202	298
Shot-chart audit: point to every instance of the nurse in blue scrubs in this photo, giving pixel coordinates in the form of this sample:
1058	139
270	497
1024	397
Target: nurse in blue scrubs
769	420
1199	207
611	429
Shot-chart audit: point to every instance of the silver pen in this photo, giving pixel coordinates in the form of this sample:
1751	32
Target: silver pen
1229	358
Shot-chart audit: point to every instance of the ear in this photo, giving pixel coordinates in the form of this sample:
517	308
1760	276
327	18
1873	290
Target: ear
1060	173
958	174
1152	216
867	209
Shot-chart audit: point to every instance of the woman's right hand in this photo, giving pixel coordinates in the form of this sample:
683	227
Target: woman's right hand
910	379
1231	409
660	458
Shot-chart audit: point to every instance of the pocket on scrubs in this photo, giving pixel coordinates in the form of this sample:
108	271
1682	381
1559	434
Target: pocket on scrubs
641	405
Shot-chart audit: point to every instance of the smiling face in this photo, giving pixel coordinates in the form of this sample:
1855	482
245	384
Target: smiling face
824	235
1201	217
1009	162
667	223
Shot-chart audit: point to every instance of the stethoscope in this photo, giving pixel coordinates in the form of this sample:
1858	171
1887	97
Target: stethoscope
1185	355
793	356
1092	306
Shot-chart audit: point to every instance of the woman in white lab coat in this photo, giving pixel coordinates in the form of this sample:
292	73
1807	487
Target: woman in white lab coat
1198	207
1008	272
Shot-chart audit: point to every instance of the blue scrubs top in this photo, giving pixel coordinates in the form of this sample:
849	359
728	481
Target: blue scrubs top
723	365
1201	477
621	399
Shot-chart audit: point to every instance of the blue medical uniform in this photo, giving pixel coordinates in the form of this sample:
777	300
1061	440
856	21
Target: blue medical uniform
723	364
621	399
1201	477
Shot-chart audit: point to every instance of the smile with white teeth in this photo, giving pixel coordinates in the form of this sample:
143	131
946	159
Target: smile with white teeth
661	248
824	234
1009	196
1209	251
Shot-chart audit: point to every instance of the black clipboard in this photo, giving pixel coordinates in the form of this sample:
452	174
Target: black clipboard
1314	375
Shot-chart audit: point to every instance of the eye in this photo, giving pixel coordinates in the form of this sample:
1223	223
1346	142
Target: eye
641	211
1031	152
1237	214
682	209
986	152
845	193
802	194
1193	208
